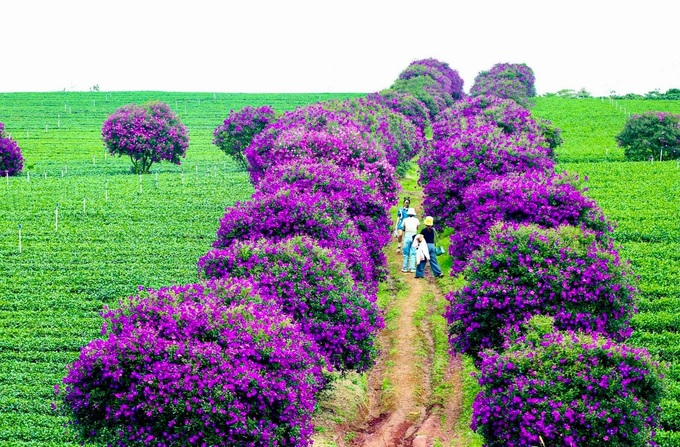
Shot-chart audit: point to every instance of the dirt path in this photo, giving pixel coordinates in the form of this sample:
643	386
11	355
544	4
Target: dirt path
410	415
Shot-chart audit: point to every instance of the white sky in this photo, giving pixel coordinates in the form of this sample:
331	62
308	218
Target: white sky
333	46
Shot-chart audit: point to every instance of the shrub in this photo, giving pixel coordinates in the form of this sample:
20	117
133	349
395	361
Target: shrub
510	81
406	104
317	134
549	201
651	134
238	130
454	82
147	134
568	389
551	134
354	191
178	366
279	216
312	287
11	160
504	113
398	136
477	154
526	270
427	90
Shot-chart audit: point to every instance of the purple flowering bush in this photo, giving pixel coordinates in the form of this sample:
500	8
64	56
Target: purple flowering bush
279	216
510	81
347	146
238	130
649	135
526	270
313	287
357	193
568	389
476	154
453	83
398	136
11	160
426	89
549	201
406	104
504	113
178	366
147	134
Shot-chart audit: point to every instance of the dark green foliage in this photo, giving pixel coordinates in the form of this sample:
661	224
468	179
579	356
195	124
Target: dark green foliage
651	135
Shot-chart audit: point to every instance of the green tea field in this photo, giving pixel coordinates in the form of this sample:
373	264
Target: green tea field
643	199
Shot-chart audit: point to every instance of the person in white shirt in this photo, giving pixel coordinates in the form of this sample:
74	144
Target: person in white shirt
410	225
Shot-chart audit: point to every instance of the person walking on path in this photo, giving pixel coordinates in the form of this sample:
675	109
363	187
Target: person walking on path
401	215
410	224
428	235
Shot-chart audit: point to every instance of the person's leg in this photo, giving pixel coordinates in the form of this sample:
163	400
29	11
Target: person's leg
406	254
434	264
420	269
412	260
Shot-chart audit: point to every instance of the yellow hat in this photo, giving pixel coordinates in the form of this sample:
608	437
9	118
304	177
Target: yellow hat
429	221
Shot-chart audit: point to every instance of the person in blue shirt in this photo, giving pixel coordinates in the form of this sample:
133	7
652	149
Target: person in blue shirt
401	215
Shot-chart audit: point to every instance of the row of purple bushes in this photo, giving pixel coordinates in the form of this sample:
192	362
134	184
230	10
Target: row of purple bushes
547	302
286	298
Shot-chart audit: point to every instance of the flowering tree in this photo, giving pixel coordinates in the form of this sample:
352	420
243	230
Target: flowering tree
353	190
180	366
406	104
445	76
399	137
568	389
473	155
238	130
147	134
312	287
279	216
526	270
11	160
511	81
651	135
549	201
314	133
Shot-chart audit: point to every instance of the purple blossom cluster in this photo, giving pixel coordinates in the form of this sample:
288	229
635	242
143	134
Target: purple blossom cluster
315	133
532	197
510	81
524	270
313	287
147	134
399	137
11	160
406	104
504	113
474	154
278	216
239	128
446	77
568	389
198	364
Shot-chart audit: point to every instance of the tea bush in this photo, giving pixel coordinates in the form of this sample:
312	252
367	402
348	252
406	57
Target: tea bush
651	134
